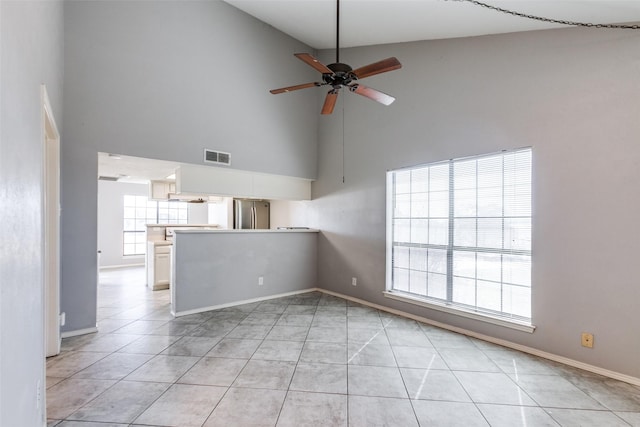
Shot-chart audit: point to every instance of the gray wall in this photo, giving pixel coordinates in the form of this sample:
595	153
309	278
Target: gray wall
574	96
212	269
31	54
165	80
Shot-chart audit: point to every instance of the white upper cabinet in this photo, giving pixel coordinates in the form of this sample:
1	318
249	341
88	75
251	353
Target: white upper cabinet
159	190
236	183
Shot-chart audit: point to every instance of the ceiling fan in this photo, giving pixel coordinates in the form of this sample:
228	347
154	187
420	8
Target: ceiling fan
339	75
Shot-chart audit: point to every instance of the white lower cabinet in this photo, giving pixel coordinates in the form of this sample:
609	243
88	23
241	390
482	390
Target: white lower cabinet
158	266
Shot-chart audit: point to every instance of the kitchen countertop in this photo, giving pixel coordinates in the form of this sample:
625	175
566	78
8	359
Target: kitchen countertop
183	225
235	231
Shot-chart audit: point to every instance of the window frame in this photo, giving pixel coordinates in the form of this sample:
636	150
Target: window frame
447	304
157	207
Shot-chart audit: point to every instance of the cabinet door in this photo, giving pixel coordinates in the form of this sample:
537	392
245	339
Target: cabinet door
150	261
162	269
160	190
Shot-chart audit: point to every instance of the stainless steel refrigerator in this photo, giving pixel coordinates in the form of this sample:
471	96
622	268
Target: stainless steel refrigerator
250	214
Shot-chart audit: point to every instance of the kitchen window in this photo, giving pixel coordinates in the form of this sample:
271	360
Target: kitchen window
139	211
459	236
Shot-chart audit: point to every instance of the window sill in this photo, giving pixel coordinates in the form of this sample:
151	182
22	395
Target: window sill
512	324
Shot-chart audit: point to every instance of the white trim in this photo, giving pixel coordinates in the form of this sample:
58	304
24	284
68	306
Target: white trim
533	351
512	324
449	306
77	332
235	303
50	226
113	267
389	230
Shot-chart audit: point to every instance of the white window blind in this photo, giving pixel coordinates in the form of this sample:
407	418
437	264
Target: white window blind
460	233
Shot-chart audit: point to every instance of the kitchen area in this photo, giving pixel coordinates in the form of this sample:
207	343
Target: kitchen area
245	235
244	214
207	266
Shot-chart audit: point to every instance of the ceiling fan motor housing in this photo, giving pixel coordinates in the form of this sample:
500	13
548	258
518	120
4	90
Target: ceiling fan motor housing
341	76
338	75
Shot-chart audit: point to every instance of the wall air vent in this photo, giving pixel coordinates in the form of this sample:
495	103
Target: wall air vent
108	178
217	157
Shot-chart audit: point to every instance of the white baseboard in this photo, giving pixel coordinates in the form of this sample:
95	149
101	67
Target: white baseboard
233	304
533	351
113	267
77	332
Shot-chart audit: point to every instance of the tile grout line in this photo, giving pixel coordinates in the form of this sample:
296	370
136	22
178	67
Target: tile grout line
485	351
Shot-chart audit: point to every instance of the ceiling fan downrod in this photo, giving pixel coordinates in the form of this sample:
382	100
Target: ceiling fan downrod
339	75
337	31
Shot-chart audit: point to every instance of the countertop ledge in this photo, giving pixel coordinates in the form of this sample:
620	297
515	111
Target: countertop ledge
234	231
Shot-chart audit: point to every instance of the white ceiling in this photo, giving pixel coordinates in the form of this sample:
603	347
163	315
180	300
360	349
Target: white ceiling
134	169
371	22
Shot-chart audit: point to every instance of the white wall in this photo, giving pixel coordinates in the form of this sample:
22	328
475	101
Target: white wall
285	213
164	80
198	213
111	222
30	54
574	96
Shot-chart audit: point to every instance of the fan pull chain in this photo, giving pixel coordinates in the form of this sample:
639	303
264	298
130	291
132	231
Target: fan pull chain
343	140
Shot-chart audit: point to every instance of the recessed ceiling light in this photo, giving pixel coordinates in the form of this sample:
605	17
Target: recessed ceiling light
172	176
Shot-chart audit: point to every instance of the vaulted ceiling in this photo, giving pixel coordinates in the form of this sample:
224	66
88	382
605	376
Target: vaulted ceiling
371	22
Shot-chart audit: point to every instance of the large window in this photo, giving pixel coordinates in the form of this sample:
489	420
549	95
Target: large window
459	234
139	211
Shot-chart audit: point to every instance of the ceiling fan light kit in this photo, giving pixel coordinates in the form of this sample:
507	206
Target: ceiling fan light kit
339	75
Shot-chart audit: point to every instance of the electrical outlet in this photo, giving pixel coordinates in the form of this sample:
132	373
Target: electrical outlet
260	281
354	281
587	340
63	318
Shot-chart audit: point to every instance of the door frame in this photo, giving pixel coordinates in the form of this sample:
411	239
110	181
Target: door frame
51	226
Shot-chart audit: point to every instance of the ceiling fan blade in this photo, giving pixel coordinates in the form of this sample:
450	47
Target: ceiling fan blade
330	102
376	95
310	60
383	66
296	87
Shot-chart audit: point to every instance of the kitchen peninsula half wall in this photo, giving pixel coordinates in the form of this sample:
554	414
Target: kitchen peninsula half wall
219	268
159	248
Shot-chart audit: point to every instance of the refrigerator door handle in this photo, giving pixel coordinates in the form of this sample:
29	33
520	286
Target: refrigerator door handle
253	217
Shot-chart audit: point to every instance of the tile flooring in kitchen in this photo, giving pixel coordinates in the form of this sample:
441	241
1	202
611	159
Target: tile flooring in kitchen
306	360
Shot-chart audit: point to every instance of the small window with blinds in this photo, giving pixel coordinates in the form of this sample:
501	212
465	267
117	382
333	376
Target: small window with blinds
459	234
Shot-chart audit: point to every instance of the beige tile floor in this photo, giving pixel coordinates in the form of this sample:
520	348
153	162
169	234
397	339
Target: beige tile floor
307	360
